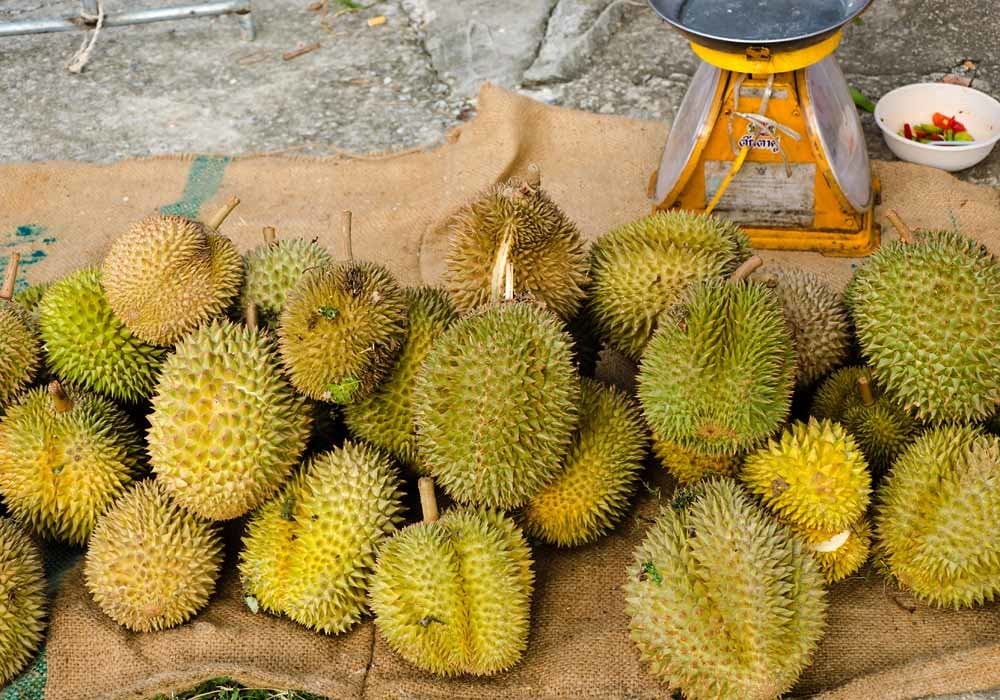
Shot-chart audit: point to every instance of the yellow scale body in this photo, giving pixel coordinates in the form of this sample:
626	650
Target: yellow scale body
835	228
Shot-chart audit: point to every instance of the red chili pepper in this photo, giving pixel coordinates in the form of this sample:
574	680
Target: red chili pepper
941	121
921	134
957	126
907	131
937	137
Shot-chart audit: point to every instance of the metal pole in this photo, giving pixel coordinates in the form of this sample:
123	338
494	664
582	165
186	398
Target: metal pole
121	19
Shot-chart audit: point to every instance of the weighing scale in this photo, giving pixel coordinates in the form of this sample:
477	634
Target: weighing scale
767	134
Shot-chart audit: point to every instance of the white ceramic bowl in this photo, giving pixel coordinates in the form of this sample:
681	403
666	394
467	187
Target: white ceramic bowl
915	104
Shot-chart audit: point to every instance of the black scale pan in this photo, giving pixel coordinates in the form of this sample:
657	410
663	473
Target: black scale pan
733	25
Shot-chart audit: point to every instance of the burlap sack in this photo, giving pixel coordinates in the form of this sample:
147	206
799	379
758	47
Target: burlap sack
880	642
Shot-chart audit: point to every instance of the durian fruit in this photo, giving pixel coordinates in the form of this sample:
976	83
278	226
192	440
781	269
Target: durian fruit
65	456
937	514
641	269
817	319
150	564
718	375
226	427
496	405
839	554
386	417
927	315
29	297
591	494
168	274
813	476
272	270
724	601
86	344
310	552
688	466
879	425
20	348
453	595
516	222
22	590
342	329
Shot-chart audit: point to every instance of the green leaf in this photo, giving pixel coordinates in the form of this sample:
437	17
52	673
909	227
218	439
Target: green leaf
650	571
252	604
342	393
328	312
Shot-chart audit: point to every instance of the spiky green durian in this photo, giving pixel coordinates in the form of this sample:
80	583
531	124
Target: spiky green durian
496	405
641	269
817	319
688	466
927	316
839	554
454	596
168	274
85	343
591	494
65	456
725	602
150	564
813	476
20	352
718	375
386	417
310	552
226	428
22	590
29	297
937	514
517	223
341	330
272	270
880	426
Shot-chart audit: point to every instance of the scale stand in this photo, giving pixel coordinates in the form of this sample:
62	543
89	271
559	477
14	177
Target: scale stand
89	12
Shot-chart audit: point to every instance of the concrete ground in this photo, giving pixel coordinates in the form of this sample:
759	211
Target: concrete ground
194	86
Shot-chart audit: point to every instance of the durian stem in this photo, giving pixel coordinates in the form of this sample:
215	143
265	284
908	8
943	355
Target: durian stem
502	269
904	231
865	386
746	269
534	178
61	401
250	315
428	499
345	234
7	290
270	235
221	215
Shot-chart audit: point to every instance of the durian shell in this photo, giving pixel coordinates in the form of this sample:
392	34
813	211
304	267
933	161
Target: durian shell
60	471
927	316
167	275
20	352
496	404
270	272
386	418
22	589
689	467
937	514
813	476
591	494
846	559
341	331
546	251
310	553
226	428
86	344
641	269
151	565
724	601
454	596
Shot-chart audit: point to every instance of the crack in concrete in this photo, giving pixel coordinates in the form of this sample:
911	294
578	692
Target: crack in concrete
545	34
421	38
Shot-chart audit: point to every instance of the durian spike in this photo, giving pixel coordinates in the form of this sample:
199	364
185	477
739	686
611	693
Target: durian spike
221	215
250	316
746	269
270	235
7	290
428	499
61	401
534	178
345	234
904	231
865	387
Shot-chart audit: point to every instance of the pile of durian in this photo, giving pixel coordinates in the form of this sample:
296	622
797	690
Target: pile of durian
180	385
